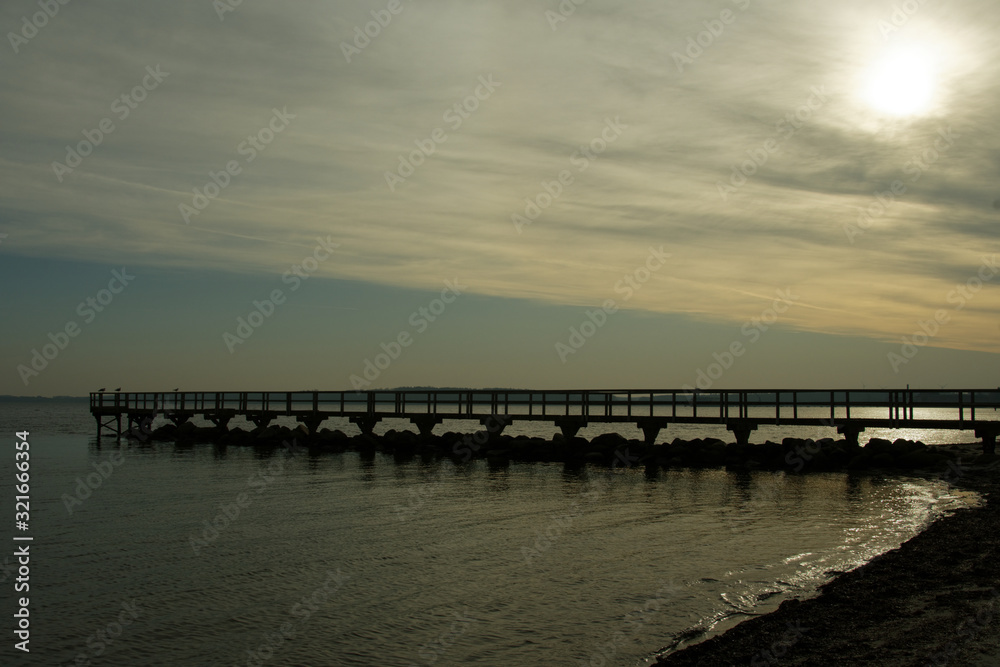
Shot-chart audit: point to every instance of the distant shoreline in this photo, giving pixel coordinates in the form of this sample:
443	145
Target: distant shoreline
8	398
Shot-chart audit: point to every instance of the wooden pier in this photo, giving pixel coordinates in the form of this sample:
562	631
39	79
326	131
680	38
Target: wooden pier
850	412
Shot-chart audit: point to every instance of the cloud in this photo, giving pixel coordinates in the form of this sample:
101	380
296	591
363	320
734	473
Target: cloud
656	184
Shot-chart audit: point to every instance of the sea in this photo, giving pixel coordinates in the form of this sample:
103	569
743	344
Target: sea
158	553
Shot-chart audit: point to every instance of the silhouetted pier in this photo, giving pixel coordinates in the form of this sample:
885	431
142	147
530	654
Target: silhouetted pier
850	412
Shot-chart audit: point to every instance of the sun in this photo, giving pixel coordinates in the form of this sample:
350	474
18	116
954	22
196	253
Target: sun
901	83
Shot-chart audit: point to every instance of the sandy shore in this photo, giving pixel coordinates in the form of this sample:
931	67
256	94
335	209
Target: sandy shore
933	601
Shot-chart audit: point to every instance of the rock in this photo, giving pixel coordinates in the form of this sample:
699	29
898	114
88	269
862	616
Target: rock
607	441
876	445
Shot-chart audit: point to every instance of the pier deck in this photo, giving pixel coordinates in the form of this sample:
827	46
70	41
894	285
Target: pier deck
850	412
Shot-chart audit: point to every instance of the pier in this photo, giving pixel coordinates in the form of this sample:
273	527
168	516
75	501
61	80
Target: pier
850	412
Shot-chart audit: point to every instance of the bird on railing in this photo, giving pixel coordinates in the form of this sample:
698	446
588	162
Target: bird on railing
176	388
101	390
118	388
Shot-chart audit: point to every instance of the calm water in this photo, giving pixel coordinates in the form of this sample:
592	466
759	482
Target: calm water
341	560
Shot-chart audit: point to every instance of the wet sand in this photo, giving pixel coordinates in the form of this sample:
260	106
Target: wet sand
933	601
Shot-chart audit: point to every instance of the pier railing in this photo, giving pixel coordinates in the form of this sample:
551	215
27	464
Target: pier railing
766	406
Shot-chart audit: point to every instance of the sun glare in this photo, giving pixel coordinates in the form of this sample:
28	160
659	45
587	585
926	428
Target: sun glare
901	83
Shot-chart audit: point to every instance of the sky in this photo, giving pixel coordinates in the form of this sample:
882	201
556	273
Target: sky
610	194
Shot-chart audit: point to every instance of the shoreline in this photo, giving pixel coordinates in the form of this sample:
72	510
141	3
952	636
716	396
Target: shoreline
934	600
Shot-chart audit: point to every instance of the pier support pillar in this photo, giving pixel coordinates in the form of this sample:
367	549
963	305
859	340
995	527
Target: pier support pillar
495	424
851	433
113	424
140	425
312	422
178	417
134	422
570	426
221	420
260	419
426	424
742	430
989	436
651	428
366	423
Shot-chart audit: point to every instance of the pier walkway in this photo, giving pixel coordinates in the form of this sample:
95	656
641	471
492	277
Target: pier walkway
850	412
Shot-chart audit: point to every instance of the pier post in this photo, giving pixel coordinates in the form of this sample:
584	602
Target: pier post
651	428
495	424
570	426
366	423
220	419
742	430
312	423
102	424
178	417
261	419
989	436
851	433
426	424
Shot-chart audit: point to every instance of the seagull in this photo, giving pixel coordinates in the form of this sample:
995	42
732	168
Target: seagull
176	388
118	388
101	389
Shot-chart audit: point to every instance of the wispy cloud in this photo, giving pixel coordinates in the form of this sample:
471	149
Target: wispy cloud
655	185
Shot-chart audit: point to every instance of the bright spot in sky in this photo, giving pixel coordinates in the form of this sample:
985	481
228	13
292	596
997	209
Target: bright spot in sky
901	83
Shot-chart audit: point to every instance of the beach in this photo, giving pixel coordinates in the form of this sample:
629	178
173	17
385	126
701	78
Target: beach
935	600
